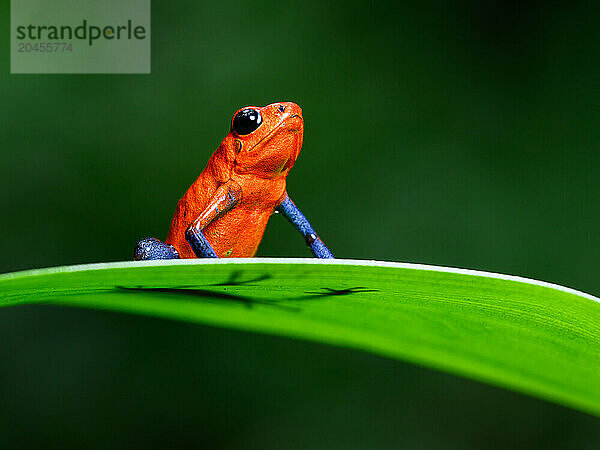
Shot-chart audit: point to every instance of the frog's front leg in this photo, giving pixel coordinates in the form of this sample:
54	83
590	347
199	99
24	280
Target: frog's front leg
151	248
226	197
295	216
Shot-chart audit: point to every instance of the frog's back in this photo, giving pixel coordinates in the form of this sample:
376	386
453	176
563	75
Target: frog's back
218	170
189	207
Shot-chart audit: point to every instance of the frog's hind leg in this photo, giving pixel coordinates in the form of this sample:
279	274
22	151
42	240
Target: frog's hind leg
151	248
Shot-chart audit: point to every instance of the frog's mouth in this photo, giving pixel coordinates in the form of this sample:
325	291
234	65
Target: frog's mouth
296	116
279	125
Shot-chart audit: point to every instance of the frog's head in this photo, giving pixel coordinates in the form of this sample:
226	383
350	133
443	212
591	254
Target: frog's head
266	140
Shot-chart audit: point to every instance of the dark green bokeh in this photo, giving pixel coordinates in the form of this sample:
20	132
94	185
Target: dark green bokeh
461	135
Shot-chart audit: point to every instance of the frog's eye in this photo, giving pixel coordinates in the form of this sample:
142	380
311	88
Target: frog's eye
246	121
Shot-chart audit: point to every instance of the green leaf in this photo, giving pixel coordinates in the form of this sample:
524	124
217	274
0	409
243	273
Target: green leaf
521	334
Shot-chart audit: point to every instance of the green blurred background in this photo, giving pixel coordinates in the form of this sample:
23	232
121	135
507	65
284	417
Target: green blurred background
449	133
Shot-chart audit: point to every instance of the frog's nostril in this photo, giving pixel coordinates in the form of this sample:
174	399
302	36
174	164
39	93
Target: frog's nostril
281	108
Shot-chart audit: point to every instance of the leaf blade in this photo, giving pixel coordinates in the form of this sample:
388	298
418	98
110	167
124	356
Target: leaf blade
525	335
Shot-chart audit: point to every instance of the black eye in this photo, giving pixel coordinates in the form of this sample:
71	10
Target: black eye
246	121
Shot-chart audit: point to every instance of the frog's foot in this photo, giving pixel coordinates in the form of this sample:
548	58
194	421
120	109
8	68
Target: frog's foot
151	248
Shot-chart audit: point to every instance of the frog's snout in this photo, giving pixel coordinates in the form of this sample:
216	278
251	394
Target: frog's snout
288	110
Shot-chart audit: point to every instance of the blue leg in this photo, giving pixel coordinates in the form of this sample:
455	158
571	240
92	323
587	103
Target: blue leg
295	216
199	244
150	248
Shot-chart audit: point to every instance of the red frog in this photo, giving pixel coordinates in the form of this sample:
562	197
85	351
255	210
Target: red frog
225	211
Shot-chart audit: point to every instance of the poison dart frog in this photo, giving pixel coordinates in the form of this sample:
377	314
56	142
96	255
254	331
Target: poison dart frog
225	211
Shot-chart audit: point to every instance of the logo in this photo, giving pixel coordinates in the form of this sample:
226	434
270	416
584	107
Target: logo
70	36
